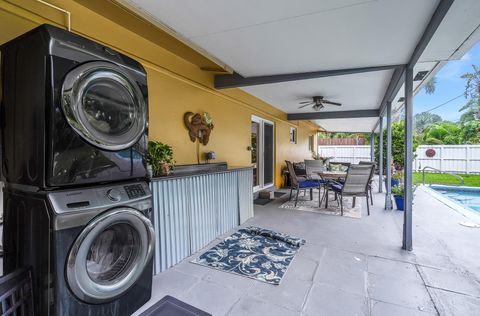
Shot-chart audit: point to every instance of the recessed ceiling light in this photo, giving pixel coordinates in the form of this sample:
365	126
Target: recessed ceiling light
420	75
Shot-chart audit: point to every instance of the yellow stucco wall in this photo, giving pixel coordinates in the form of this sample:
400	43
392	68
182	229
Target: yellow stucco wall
175	86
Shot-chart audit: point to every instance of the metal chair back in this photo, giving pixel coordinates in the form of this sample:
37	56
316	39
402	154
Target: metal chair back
371	163
357	179
313	167
16	293
291	172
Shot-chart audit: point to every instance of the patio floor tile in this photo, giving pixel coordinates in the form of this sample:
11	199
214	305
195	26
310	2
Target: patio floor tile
231	280
454	304
406	293
383	309
312	251
212	298
291	293
324	300
394	269
346	259
253	307
451	281
349	280
302	268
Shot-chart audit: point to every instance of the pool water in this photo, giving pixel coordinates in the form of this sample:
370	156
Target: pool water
466	197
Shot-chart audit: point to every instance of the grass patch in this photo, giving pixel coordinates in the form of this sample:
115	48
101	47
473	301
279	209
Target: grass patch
471	180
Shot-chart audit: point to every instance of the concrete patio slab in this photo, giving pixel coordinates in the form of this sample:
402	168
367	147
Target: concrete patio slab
454	304
410	294
328	300
451	281
254	307
382	309
348	267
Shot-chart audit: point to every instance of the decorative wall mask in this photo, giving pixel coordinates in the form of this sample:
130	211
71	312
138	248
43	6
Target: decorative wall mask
199	126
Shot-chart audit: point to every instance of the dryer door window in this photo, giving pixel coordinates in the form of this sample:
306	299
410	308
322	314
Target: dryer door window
104	105
110	255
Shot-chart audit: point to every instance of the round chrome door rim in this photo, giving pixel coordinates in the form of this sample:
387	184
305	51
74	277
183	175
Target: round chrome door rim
78	278
73	89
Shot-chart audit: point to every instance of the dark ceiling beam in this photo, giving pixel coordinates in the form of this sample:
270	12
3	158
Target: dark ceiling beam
235	80
332	115
399	78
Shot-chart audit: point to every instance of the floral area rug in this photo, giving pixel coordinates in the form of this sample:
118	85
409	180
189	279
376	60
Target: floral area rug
254	252
305	204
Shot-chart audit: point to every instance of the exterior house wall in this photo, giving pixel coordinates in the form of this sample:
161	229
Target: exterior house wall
176	85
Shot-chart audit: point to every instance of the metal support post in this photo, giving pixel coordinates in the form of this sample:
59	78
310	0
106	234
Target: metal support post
388	185
380	158
407	224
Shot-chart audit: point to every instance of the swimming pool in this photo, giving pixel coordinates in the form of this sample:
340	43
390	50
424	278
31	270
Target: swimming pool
467	197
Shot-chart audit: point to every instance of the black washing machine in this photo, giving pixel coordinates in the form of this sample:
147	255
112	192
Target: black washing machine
73	112
90	248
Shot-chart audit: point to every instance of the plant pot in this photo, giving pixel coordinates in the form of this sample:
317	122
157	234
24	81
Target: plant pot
165	169
399	201
393	183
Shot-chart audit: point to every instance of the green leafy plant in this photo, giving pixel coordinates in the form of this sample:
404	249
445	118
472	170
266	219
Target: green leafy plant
160	157
398	147
317	156
397	175
398	190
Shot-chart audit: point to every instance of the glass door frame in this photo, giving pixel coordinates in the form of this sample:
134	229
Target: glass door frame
261	153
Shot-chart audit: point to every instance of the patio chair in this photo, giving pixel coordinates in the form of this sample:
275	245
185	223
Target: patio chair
313	167
301	183
356	184
370	182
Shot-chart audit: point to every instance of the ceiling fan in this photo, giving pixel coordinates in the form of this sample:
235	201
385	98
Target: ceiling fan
318	103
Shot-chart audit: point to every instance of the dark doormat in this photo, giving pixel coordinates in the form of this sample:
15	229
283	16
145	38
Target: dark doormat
253	252
261	201
170	306
279	194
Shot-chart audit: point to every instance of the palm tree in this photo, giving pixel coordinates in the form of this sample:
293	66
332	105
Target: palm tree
431	85
425	119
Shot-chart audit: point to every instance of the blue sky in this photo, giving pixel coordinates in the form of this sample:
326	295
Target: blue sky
449	85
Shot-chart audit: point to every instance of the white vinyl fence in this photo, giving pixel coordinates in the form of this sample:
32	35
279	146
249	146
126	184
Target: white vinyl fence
446	158
449	158
350	153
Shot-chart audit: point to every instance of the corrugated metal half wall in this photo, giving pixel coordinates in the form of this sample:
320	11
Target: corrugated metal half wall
189	212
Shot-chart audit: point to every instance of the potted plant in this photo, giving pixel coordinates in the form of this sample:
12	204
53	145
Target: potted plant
324	160
399	196
396	179
159	158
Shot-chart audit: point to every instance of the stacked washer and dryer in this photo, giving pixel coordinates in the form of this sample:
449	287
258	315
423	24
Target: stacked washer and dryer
76	203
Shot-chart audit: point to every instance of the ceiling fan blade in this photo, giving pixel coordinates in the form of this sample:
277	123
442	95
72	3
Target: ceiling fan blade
332	103
305	105
303	102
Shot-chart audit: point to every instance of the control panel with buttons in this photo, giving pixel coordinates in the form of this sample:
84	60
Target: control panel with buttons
134	191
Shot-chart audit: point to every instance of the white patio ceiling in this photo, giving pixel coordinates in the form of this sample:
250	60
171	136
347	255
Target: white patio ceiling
270	37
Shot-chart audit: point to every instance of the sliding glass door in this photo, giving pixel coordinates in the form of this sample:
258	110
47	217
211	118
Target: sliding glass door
262	152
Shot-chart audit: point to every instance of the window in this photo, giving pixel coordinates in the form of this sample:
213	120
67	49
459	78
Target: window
293	135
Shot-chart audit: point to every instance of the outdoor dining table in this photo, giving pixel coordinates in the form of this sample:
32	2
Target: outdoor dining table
330	176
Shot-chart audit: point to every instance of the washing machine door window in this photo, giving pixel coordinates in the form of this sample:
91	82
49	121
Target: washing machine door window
104	105
109	255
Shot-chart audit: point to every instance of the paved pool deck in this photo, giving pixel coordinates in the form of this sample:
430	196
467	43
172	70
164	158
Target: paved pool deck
348	267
